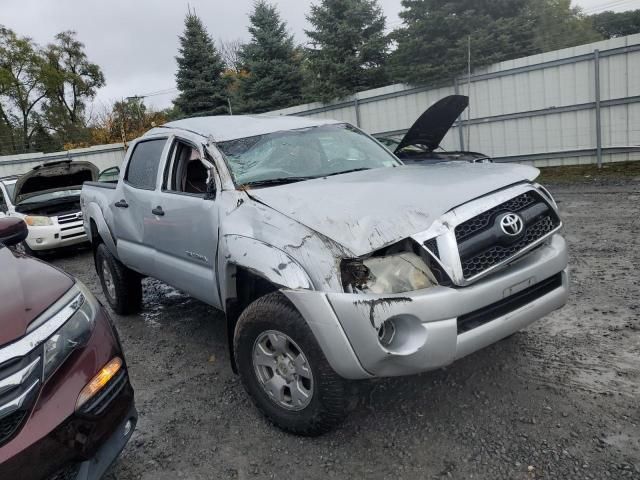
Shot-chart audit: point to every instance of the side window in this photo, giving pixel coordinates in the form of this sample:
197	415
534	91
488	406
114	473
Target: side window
3	203
186	173
143	164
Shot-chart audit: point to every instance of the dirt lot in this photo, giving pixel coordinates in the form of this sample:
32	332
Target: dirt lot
559	400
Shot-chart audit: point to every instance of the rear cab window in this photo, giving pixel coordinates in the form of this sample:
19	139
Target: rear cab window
142	170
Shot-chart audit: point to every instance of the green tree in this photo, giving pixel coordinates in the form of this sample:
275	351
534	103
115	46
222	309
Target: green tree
200	80
21	89
71	81
559	25
433	41
273	73
617	24
348	48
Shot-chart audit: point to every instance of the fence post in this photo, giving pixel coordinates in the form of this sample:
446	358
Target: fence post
456	89
596	64
356	105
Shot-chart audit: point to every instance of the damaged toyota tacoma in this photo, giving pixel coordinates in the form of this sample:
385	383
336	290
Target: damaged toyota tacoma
331	260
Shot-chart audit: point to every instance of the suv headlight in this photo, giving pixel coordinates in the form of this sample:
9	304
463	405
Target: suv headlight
397	273
74	333
37	221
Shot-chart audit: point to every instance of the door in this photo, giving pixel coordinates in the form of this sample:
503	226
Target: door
184	228
132	203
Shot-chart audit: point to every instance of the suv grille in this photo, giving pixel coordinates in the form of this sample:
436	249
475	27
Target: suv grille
481	242
19	379
70	218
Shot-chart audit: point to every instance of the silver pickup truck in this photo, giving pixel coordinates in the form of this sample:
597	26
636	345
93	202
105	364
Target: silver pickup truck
331	260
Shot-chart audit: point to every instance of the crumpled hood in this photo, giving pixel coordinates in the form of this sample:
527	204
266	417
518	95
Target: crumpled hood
53	176
27	288
364	211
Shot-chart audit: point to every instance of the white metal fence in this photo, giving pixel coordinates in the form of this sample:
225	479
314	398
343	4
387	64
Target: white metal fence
572	106
103	156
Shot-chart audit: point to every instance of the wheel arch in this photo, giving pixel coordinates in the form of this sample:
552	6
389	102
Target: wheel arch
249	269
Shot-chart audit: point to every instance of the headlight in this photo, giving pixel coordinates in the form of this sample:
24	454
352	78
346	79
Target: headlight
401	272
75	332
37	221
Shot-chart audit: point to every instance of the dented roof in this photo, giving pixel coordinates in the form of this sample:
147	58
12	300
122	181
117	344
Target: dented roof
231	127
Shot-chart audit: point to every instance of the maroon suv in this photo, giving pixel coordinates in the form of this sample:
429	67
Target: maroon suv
66	404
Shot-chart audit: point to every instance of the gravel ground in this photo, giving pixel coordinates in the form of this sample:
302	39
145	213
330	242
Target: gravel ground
559	400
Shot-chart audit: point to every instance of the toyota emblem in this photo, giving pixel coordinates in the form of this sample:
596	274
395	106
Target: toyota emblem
512	224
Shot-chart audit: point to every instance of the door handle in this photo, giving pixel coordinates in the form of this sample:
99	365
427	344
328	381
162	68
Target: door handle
158	211
121	204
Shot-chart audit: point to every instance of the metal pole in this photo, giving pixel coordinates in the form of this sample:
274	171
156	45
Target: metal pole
469	92
596	64
356	105
456	89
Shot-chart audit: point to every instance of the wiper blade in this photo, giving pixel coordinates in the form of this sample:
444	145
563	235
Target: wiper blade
347	171
275	181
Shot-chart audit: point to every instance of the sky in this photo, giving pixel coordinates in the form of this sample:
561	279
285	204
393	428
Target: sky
135	41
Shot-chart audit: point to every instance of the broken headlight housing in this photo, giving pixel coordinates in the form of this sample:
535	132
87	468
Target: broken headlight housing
394	273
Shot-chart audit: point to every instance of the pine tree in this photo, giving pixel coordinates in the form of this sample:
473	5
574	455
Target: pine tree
273	75
433	41
348	48
202	87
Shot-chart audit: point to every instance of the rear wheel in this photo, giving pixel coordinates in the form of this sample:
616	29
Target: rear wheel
284	370
121	286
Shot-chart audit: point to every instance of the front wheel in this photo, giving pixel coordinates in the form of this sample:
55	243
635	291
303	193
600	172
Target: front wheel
121	286
284	370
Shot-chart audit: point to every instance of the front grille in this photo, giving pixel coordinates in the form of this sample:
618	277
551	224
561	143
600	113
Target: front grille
482	244
69	218
474	319
19	381
10	424
72	235
100	402
432	246
484	221
498	253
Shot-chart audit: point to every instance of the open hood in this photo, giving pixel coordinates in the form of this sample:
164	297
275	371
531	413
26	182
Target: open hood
52	176
434	123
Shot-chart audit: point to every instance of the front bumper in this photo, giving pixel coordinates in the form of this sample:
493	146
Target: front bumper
428	335
53	236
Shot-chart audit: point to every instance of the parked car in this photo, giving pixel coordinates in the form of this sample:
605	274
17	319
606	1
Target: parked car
421	144
331	260
66	404
47	198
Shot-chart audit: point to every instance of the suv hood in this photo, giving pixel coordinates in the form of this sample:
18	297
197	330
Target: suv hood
52	176
367	210
434	123
34	287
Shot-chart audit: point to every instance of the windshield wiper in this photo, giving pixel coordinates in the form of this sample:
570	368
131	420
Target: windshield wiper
346	171
276	181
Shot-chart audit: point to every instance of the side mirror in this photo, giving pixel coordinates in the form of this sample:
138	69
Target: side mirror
211	190
12	231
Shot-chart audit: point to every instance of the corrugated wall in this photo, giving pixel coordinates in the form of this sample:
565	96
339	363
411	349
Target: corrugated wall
539	109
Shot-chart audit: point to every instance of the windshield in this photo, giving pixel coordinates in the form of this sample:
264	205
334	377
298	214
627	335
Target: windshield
303	154
46	197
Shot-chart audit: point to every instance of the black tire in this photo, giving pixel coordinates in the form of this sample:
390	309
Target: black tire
329	400
126	295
